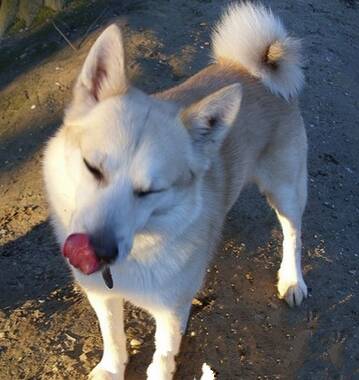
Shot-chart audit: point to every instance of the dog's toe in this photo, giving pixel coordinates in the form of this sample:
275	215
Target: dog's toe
161	370
292	291
99	373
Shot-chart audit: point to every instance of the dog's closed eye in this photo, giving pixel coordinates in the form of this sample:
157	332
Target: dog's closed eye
140	193
96	172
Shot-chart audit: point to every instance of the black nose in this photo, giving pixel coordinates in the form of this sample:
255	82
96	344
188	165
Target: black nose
105	246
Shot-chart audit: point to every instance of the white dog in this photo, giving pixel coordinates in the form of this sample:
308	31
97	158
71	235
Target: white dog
150	178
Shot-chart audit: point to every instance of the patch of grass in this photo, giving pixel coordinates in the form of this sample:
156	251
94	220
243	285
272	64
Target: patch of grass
41	39
43	16
16	27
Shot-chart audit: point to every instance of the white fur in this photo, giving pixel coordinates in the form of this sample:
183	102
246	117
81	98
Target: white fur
207	373
244	34
195	147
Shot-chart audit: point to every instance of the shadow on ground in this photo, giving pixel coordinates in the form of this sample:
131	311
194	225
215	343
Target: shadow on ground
35	268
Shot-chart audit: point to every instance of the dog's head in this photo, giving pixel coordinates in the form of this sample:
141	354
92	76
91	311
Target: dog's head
135	162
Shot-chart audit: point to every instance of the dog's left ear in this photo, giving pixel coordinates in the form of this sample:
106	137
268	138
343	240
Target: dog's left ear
104	71
102	75
209	120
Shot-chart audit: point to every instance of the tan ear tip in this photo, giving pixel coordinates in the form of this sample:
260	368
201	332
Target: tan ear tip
113	29
234	89
237	87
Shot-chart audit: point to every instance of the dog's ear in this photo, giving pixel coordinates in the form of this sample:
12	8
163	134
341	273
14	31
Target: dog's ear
209	120
103	74
104	71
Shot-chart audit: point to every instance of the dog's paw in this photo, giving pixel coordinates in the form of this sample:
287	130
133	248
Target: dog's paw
160	370
99	373
292	289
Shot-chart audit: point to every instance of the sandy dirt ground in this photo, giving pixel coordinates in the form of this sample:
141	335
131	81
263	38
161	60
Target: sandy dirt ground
237	324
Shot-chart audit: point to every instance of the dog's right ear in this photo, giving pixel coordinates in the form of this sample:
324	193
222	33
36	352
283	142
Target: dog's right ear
210	120
104	72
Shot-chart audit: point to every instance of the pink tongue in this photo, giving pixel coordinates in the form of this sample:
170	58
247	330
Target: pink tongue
78	250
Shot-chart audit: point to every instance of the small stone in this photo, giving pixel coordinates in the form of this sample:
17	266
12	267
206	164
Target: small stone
249	277
71	338
135	342
33	107
196	302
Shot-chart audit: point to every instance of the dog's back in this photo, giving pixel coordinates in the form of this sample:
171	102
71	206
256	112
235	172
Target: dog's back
250	47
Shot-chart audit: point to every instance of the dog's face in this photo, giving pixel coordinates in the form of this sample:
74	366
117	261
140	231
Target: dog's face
135	170
135	163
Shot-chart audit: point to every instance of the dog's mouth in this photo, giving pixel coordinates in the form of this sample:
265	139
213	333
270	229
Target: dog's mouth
81	255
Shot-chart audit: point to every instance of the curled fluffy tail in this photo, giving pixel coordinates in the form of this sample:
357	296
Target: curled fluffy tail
253	37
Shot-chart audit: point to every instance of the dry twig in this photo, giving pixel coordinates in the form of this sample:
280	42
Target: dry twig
63	36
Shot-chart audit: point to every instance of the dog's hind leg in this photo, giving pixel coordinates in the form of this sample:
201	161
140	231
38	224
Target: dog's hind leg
282	176
170	326
109	312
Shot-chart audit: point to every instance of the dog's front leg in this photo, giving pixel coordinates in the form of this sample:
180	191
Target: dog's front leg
170	326
109	312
